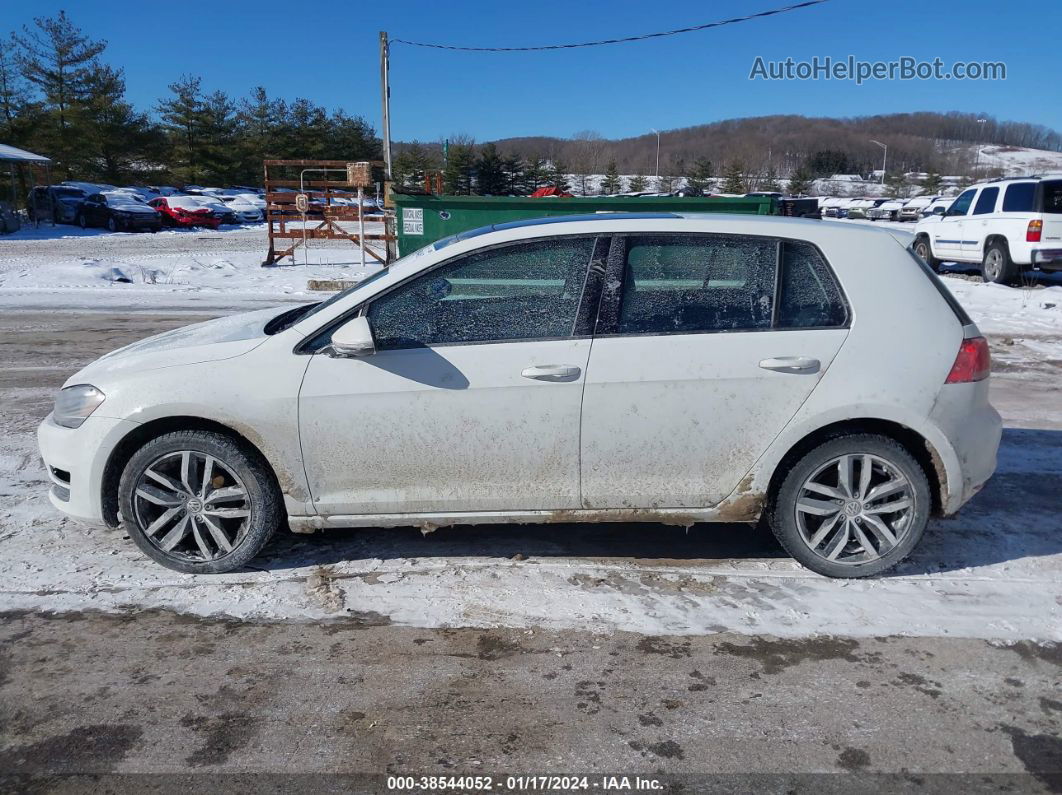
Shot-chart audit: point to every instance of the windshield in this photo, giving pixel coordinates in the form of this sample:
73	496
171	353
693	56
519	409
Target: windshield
69	193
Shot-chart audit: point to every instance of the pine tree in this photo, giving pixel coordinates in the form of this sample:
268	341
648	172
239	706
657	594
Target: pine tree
665	183
557	176
734	177
770	181
219	154
59	60
460	166
636	184
699	181
800	181
182	118
490	177
536	174
412	164
931	184
897	185
258	118
611	183
513	168
118	143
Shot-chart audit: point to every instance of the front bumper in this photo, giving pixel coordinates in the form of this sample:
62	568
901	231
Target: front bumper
75	458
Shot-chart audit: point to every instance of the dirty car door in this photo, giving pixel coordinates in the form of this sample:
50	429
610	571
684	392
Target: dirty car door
472	399
700	363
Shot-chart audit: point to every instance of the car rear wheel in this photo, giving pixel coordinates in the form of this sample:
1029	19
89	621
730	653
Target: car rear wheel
82	221
925	251
199	502
997	265
854	506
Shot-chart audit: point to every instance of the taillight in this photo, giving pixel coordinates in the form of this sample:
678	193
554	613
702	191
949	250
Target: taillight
973	362
1032	234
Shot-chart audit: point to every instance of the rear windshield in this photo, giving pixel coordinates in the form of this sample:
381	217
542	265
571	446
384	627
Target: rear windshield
1053	197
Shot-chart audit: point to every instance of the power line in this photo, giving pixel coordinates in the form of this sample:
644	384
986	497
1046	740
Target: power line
624	40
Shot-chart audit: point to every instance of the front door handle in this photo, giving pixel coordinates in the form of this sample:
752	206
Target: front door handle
791	364
551	372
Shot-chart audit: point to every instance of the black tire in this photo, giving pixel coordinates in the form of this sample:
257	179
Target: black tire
82	221
997	266
263	499
782	512
923	249
112	224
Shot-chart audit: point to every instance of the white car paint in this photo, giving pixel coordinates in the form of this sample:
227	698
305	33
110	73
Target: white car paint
678	427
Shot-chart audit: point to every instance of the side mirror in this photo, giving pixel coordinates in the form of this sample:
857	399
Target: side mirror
353	338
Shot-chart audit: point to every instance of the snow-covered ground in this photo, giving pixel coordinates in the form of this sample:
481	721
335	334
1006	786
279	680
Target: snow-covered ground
994	572
192	269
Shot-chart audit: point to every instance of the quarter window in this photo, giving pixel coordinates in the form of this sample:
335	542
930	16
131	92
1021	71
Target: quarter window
809	296
523	291
1018	197
986	202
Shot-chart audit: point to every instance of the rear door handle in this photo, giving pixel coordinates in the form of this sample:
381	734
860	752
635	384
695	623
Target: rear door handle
791	364
551	372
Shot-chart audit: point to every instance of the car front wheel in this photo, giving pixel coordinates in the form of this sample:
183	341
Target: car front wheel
82	221
199	502
854	506
112	225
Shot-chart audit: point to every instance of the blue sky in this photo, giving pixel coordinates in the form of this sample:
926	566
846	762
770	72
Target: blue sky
330	56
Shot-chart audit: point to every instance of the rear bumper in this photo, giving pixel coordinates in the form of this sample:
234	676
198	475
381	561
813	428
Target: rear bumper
972	430
1048	259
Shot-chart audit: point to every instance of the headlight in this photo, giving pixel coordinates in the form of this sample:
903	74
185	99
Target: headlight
74	404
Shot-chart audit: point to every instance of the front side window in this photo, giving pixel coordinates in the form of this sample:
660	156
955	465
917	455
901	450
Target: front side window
986	202
516	292
962	204
1018	197
676	284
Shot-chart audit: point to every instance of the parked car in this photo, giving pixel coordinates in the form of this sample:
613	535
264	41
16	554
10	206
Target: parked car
185	211
245	210
912	210
119	212
858	208
55	203
886	211
501	376
938	207
1004	225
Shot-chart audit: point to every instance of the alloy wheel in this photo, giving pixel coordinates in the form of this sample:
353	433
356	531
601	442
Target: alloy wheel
855	509
192	506
993	264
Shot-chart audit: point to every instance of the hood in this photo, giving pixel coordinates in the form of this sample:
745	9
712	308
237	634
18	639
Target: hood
131	207
211	341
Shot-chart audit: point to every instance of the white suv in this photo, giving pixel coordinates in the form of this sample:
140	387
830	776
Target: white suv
1006	225
602	368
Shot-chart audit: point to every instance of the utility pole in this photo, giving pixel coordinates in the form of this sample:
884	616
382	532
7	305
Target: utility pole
656	173
385	87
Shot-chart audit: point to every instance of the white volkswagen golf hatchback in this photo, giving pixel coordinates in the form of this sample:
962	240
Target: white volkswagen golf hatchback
606	368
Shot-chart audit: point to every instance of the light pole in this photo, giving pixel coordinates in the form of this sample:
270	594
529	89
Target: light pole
980	143
884	159
656	173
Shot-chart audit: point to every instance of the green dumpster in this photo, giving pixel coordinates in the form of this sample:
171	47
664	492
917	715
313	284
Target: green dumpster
423	219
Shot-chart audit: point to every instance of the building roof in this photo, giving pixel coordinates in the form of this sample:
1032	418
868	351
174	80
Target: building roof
13	153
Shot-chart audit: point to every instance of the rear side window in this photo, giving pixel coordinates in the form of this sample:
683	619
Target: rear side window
695	283
809	296
986	202
1018	198
1052	197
